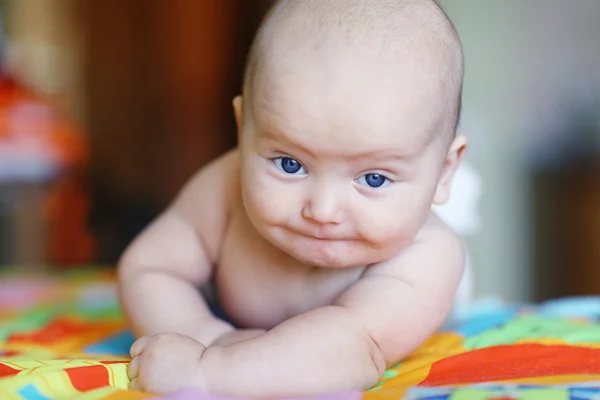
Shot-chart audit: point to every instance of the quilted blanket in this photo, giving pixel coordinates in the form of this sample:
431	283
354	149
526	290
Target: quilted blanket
62	336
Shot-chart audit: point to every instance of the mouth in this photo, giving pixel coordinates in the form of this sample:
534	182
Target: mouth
322	239
322	236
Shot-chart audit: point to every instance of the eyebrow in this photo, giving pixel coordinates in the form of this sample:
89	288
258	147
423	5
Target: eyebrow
389	155
381	156
278	137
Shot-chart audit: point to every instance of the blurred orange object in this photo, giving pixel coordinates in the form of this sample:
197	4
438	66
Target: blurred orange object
41	146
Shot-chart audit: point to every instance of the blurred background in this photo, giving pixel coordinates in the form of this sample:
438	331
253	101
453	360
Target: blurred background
107	107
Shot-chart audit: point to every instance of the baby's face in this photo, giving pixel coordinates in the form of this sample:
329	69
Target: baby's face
339	173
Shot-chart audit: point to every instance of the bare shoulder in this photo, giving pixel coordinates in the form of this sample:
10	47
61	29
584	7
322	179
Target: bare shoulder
207	198
185	238
403	300
435	260
439	238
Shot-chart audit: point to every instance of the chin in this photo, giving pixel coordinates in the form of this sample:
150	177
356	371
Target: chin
327	262
328	254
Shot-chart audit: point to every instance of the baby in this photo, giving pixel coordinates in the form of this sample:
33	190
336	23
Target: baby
317	231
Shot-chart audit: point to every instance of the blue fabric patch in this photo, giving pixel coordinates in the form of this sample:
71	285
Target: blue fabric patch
30	392
117	345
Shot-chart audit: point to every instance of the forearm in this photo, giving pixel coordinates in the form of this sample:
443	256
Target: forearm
156	302
321	351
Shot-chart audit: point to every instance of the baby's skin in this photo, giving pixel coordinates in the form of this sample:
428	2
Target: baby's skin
316	232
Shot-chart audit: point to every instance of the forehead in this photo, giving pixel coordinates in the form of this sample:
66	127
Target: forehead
339	99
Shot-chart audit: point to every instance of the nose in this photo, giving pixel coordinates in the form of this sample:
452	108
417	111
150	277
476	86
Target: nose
323	206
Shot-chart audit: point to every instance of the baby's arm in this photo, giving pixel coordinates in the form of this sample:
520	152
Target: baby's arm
161	271
379	320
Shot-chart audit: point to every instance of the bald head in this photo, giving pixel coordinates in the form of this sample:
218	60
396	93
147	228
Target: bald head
395	33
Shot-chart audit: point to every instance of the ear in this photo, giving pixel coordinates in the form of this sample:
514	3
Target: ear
454	157
237	112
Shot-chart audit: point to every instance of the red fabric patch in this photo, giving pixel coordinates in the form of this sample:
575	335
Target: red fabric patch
88	378
5	370
508	362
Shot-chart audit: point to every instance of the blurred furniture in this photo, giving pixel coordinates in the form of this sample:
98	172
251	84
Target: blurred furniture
566	223
44	204
160	77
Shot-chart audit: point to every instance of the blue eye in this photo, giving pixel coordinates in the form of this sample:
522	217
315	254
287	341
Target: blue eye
288	165
373	180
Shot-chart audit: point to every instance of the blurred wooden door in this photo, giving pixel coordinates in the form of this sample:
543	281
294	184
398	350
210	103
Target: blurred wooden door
160	77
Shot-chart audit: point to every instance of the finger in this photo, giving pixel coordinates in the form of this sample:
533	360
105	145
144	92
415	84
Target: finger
134	368
138	346
133	385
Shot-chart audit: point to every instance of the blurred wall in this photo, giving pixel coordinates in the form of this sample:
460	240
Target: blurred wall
491	120
529	66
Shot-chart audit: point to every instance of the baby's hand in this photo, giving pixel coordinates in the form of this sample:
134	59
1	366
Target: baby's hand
165	363
238	335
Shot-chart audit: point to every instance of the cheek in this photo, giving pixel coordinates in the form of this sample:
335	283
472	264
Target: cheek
266	199
394	220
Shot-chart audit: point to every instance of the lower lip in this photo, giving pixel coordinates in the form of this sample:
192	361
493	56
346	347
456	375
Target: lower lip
323	239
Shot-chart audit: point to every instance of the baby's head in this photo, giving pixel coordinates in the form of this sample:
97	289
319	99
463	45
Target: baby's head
347	127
